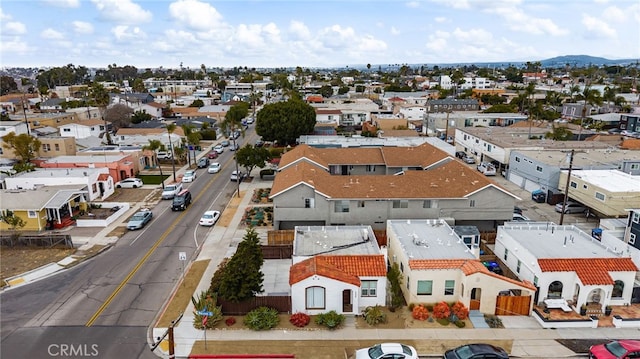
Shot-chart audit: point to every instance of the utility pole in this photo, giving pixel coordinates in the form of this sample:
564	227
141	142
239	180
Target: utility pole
169	333
566	191
24	112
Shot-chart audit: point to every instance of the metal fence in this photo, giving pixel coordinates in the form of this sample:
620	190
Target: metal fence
46	240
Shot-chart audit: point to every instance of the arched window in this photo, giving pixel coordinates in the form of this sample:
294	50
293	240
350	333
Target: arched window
618	288
555	289
315	298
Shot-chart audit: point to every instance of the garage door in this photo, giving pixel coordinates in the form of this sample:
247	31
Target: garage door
516	179
531	186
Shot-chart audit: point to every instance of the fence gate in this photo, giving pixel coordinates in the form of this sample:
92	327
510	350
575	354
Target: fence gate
512	305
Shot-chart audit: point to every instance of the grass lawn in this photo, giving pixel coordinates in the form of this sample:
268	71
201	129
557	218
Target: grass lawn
183	295
153	179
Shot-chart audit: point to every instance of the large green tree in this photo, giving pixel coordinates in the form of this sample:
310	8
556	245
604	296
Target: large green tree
285	121
101	98
24	147
12	220
242	278
250	157
7	85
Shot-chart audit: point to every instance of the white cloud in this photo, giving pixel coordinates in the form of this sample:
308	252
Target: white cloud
440	19
51	34
63	3
456	4
518	20
413	4
3	16
478	36
614	14
600	1
438	41
195	14
597	28
394	31
14	28
337	37
370	44
82	27
122	11
127	33
14	45
298	30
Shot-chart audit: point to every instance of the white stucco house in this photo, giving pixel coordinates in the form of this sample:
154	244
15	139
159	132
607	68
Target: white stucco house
565	263
99	184
83	129
339	268
439	264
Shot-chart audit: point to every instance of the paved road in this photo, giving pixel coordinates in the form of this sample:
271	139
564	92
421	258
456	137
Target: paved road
103	308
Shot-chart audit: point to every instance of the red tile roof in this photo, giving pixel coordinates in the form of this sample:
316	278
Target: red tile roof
467	266
591	271
103	177
346	269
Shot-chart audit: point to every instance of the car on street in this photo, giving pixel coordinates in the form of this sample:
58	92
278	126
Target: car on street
616	349
171	190
213	154
203	162
237	176
189	176
259	143
214	167
469	159
209	218
476	351
139	219
219	148
225	143
234	146
571	207
163	155
517	210
250	120
181	201
387	350
461	154
129	183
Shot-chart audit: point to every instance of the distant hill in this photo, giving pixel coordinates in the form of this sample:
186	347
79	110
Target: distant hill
583	61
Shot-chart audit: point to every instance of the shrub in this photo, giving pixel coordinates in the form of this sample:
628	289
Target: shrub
262	318
419	312
460	310
206	301
441	310
411	306
330	319
300	319
374	315
443	321
459	323
230	321
493	321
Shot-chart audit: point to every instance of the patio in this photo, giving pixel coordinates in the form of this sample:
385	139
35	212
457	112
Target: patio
626	312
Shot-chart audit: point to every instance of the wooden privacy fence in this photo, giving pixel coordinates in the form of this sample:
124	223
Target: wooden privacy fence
49	240
280	237
277	252
512	305
282	303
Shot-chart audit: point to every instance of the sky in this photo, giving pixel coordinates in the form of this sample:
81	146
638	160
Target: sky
327	33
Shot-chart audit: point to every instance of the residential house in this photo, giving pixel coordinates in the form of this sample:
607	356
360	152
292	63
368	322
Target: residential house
139	160
49	119
141	136
339	268
540	169
563	262
7	127
450	104
609	193
53	146
437	265
358	141
120	166
85	113
83	129
42	207
52	105
331	117
475	82
349	186
630	122
386	122
99	184
411	112
621	234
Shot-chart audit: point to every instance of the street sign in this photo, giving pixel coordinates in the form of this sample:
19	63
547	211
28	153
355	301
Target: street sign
182	256
204	312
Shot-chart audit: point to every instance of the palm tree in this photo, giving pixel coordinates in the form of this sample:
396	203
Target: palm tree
590	97
155	145
575	89
170	129
609	95
101	97
193	139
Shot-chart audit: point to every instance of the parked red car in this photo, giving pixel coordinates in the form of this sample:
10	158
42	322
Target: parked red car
617	349
212	154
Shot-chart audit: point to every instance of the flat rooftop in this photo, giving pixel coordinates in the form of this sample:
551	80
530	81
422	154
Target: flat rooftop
104	158
582	160
334	240
59	172
547	240
429	239
518	137
610	180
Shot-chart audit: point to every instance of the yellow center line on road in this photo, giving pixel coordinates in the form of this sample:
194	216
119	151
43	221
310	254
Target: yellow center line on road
144	259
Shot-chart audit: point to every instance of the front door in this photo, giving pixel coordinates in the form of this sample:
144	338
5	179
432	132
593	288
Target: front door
476	293
347	307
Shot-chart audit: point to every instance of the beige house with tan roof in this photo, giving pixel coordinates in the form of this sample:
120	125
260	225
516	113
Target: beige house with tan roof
349	186
141	136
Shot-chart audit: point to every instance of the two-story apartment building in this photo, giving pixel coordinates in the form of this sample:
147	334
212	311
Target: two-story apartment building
348	186
141	136
610	193
83	129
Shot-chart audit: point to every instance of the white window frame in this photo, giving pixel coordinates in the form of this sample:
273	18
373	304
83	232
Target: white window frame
632	238
598	196
341	206
315	297
32	214
424	282
400	203
449	287
369	288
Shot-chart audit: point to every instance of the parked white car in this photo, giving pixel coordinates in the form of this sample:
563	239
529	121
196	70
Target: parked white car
129	183
171	190
209	218
488	169
571	207
387	350
214	167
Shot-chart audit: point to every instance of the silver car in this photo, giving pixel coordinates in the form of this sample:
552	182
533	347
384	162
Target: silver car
571	207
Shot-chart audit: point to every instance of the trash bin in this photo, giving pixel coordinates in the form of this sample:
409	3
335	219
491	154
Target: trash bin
597	233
